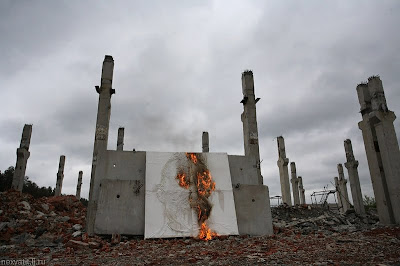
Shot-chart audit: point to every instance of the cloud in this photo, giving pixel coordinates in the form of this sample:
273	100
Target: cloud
178	72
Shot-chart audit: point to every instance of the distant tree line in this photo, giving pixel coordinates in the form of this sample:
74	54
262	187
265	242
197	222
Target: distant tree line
29	187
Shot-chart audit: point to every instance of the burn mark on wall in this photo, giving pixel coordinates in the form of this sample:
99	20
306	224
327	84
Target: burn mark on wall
193	174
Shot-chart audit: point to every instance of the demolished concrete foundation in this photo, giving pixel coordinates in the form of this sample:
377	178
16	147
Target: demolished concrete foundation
125	184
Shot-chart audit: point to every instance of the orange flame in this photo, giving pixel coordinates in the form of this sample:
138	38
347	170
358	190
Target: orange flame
182	180
192	157
205	185
206	233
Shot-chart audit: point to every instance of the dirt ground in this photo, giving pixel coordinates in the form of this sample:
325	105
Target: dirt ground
50	231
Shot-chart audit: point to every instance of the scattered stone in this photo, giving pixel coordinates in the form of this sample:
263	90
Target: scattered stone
19	239
45	206
3	225
315	237
77	227
39	231
76	233
94	245
64	219
26	205
40	215
76	244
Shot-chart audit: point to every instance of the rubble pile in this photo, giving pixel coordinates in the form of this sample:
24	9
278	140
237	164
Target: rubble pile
43	222
305	219
51	230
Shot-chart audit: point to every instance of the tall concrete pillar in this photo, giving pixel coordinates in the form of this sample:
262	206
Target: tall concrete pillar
382	149
343	188
60	176
249	119
338	194
101	136
302	191
295	184
79	185
355	187
120	140
205	142
283	171
22	158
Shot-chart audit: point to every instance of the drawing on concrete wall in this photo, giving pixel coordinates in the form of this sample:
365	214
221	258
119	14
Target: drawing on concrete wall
177	212
184	199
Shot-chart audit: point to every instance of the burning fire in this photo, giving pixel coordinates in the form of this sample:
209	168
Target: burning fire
192	157
204	185
183	182
206	233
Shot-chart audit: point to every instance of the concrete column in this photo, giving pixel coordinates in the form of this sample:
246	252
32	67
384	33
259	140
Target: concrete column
22	158
295	184
60	176
205	142
338	194
284	171
120	140
352	165
79	185
101	137
343	188
249	119
302	191
382	149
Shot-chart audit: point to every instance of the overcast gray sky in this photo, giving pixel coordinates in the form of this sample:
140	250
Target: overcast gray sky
178	71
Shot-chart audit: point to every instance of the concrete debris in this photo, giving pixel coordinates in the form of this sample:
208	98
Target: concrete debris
303	235
77	233
77	227
26	205
305	219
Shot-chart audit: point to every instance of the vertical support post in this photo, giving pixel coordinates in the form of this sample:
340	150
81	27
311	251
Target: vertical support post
22	158
355	187
343	189
120	140
60	176
338	194
382	149
205	142
284	171
101	137
249	119
302	191
295	184
79	185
